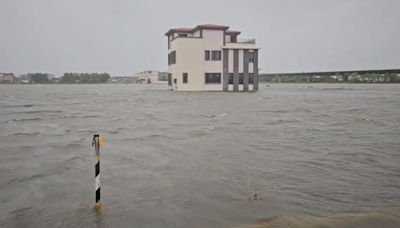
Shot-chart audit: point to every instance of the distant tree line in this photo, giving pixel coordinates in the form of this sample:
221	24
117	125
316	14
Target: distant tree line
39	77
85	78
350	78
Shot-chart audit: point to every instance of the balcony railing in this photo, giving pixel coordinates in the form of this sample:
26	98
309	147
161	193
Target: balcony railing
246	41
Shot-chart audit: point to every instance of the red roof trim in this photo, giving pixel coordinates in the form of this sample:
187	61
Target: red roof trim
232	32
211	26
204	26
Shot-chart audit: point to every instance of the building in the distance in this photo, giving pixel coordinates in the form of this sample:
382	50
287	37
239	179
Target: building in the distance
7	78
151	76
37	78
211	58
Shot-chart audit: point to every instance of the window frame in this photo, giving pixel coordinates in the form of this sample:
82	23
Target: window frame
173	57
215	56
230	79
207	55
241	79
251	57
185	78
251	78
208	81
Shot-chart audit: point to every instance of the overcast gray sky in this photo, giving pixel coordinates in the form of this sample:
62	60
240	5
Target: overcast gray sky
125	36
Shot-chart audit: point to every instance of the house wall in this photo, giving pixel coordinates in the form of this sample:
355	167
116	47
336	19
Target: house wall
230	61
212	41
240	61
189	59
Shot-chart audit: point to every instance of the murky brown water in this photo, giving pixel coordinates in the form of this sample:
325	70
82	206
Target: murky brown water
314	154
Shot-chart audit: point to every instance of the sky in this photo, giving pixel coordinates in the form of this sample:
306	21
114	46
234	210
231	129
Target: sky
122	37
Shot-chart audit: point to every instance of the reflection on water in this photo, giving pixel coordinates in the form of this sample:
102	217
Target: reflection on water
298	155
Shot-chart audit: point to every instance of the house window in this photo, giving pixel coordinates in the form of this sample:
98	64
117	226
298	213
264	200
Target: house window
216	55
213	78
251	78
169	79
185	78
251	57
207	55
241	78
233	39
172	57
183	35
230	81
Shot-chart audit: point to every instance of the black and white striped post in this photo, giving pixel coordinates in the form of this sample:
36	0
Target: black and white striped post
97	143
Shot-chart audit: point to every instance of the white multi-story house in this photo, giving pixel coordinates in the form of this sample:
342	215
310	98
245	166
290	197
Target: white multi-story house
211	58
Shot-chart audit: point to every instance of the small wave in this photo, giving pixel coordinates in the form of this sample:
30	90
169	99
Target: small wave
20	105
73	158
89	116
197	133
352	110
23	179
309	163
282	122
26	119
21	210
114	131
215	115
77	116
145	137
73	145
38	111
363	119
337	88
26	133
280	111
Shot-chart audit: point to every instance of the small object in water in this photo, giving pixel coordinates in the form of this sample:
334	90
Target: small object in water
216	115
256	196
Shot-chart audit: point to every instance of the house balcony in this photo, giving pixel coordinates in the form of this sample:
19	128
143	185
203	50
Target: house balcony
241	43
246	41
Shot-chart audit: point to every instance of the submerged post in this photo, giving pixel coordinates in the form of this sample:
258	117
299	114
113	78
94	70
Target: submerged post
97	143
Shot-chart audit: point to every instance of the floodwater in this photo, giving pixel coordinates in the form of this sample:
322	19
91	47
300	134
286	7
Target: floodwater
290	155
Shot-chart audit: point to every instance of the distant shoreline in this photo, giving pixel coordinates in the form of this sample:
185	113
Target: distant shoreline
261	82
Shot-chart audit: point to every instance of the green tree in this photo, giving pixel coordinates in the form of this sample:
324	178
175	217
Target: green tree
39	77
85	78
